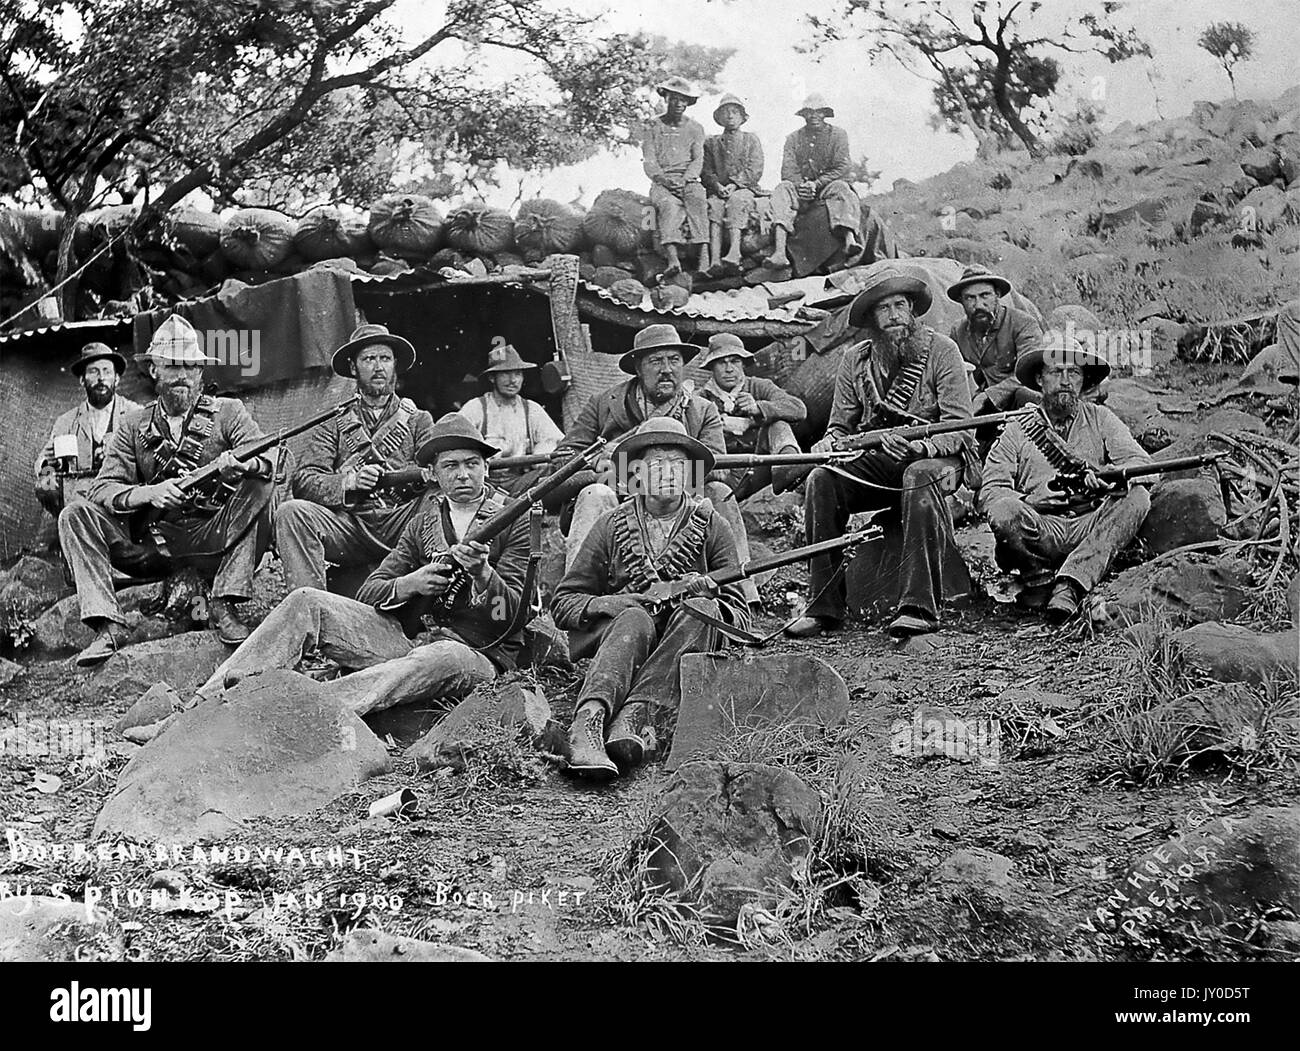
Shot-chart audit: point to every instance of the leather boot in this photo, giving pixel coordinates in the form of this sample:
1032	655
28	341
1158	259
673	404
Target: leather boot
1064	603
811	627
108	640
626	744
787	477
229	628
587	756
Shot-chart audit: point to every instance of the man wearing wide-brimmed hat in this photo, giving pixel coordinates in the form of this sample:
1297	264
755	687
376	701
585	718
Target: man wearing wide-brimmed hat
662	532
904	372
511	422
346	510
992	337
814	168
68	466
399	646
152	449
1061	552
658	387
733	168
756	413
672	152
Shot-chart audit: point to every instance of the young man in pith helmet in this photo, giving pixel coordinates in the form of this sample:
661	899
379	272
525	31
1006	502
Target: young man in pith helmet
756	413
87	428
342	512
672	152
1062	550
733	168
992	337
658	387
814	168
398	641
902	372
662	532
515	425
151	450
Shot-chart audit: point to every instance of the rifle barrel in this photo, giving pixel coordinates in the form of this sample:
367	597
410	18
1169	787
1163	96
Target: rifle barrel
505	462
872	439
1177	463
798	554
733	460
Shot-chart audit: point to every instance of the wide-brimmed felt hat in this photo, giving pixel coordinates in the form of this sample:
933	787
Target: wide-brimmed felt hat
678	86
661	431
814	103
889	281
176	342
654	337
505	359
1095	367
729	100
97	352
977	275
366	336
453	431
722	345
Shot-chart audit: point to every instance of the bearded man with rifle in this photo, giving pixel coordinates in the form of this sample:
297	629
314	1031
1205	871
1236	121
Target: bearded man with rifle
183	432
903	373
445	609
357	485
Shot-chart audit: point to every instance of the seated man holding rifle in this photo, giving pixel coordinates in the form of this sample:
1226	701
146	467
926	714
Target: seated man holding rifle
139	518
441	612
1062	546
357	484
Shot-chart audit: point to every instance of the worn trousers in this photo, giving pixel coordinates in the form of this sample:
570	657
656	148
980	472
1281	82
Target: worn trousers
307	535
830	499
231	542
597	499
732	212
843	207
681	218
391	668
637	655
1080	549
770	438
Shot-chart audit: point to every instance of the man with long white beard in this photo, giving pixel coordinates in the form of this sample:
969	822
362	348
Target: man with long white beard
664	532
902	373
400	643
151	451
1062	549
90	426
992	337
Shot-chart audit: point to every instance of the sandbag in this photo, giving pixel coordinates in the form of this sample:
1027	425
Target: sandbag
96	227
257	238
406	225
621	220
197	231
545	227
39	231
480	228
326	233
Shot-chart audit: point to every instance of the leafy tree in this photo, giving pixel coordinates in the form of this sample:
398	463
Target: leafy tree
1230	43
984	59
295	101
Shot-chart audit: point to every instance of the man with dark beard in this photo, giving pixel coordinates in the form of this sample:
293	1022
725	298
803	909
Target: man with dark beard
992	337
88	428
1061	550
151	450
903	372
341	513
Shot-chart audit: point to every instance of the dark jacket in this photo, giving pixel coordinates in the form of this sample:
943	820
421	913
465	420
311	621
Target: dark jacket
995	363
479	622
820	155
735	160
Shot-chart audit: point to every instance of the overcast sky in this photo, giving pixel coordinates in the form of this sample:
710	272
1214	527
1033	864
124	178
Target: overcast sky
886	110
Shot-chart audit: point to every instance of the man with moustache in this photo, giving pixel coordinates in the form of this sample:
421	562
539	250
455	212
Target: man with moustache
657	388
90	424
399	646
672	150
992	337
150	451
340	513
662	532
733	167
902	373
1061	549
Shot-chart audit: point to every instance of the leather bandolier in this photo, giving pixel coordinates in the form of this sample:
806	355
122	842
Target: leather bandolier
435	543
361	449
178	458
679	558
1048	441
892	409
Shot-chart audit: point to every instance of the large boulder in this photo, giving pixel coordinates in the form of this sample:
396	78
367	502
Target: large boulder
41	929
1183	511
452	741
60	630
1233	653
1189	588
372	946
184	662
734	832
1196	437
273	746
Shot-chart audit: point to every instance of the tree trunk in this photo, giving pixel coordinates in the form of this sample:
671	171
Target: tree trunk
1008	111
66	297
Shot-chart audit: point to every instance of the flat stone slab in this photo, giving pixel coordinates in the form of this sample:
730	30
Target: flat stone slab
722	694
274	746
